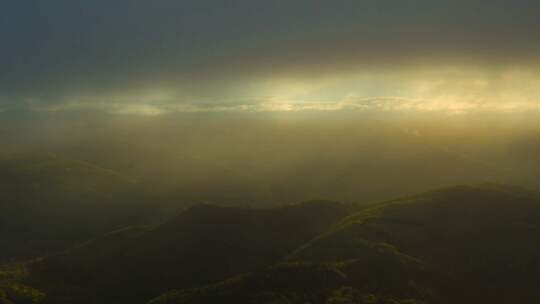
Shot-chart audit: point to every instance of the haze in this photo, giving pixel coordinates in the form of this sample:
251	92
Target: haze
287	97
278	151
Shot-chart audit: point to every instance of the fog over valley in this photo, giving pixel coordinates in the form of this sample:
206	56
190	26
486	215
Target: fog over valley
269	152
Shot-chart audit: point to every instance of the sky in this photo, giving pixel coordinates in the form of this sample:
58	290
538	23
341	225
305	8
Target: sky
163	56
298	96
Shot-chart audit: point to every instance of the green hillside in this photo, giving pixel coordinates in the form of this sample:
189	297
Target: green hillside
485	237
13	291
203	244
467	244
317	283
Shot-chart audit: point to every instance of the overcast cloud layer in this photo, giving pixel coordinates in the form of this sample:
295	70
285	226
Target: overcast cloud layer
151	57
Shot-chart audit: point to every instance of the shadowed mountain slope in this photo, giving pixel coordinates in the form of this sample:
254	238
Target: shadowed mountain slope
201	245
486	237
48	203
466	244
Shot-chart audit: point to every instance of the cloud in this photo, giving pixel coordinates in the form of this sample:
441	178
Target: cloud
383	104
205	55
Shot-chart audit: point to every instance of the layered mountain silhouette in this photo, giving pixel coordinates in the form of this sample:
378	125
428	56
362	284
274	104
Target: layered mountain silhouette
466	244
74	232
204	244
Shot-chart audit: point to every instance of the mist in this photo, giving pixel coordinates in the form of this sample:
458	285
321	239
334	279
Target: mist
262	159
284	152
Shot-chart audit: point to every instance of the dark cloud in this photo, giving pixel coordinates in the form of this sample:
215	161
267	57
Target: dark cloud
53	50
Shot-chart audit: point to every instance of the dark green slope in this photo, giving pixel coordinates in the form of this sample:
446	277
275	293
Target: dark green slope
48	203
485	237
203	244
12	291
467	244
378	277
281	282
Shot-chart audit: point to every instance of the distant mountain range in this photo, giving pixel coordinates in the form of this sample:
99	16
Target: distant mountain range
48	203
73	232
467	244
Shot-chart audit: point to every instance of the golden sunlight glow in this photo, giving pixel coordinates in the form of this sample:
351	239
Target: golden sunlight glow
451	91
